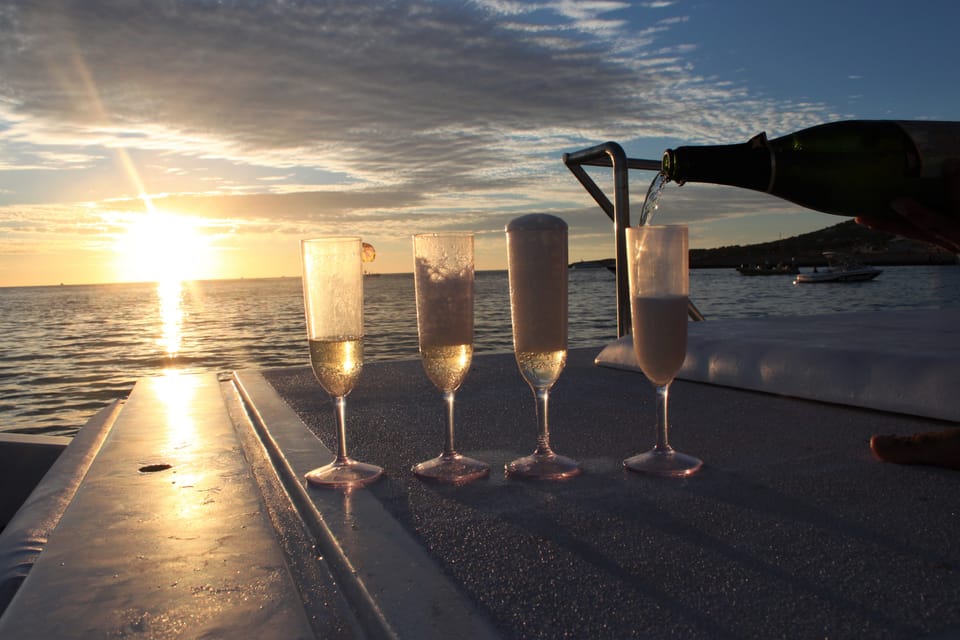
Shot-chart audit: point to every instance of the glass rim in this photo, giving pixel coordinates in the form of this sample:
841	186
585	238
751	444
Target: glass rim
658	226
444	234
331	239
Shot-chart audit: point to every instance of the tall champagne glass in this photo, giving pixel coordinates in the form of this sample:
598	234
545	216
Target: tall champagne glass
658	267
537	268
333	300
443	278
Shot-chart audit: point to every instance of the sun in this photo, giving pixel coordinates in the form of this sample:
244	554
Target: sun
163	247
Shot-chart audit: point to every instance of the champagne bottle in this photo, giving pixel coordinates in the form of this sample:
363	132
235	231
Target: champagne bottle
848	168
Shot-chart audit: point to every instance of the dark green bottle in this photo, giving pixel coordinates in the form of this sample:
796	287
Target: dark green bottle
848	168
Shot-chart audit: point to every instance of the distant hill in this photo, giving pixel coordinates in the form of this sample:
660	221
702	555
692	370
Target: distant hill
872	247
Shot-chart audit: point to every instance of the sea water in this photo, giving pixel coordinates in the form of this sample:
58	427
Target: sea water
66	351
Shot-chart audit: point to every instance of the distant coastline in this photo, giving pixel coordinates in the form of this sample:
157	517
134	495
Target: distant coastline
806	250
603	263
877	248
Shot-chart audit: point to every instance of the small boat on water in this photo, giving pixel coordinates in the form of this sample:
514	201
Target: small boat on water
767	269
841	267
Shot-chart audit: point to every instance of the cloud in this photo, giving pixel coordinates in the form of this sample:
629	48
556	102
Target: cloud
393	108
408	89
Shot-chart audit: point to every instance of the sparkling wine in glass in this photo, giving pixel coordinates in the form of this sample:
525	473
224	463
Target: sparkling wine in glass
443	278
537	268
333	301
658	267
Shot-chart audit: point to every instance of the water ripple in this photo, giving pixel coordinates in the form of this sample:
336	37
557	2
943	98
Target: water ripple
67	351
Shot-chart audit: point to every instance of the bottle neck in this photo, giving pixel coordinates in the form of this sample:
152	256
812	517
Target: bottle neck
748	165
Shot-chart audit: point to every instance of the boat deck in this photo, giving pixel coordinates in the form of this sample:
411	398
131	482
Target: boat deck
791	529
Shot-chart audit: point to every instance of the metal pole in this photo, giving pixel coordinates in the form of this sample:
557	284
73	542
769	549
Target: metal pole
611	154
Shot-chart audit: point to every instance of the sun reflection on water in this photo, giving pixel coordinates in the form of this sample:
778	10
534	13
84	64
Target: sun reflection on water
170	296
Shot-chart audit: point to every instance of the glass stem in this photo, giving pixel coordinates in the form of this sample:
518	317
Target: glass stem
662	443
340	409
543	440
448	450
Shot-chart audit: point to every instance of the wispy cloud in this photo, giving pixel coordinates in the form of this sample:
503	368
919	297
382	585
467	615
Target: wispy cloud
399	105
404	88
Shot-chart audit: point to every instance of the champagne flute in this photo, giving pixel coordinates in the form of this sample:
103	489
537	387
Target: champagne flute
333	300
443	278
658	267
537	270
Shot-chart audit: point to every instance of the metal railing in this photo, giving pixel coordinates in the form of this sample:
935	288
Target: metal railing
611	154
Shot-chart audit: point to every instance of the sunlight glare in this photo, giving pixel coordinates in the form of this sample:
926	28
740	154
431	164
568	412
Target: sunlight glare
163	247
176	391
170	293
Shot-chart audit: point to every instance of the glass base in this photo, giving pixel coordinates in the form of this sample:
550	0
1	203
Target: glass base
344	474
454	469
540	466
664	462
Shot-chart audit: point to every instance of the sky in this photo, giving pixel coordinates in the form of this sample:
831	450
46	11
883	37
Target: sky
199	139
